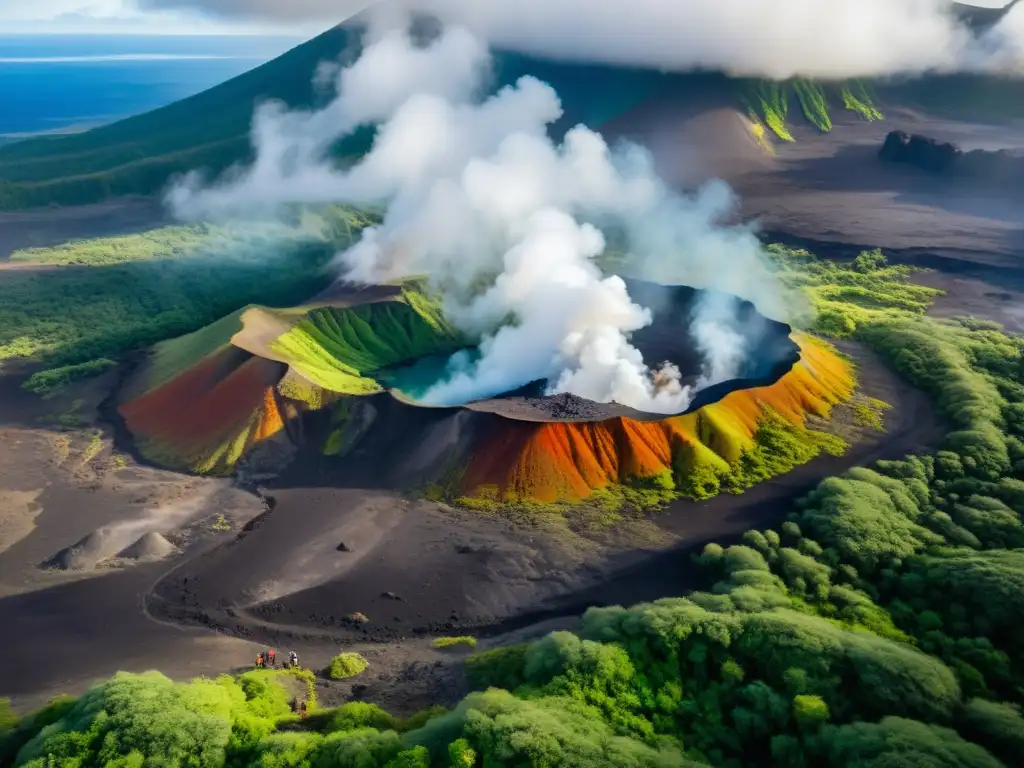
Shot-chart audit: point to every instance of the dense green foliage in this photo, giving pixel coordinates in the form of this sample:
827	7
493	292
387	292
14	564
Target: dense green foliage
844	296
118	294
878	627
346	665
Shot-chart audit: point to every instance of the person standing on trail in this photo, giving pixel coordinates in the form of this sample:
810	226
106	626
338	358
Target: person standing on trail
259	660
293	659
271	657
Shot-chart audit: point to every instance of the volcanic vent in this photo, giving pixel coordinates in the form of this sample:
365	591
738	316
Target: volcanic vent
342	377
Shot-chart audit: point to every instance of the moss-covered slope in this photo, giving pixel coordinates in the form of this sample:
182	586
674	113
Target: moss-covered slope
335	348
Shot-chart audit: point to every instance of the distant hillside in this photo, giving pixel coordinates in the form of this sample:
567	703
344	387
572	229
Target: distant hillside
138	155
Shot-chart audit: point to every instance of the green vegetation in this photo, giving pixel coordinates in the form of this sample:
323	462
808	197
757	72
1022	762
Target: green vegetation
867	412
778	447
164	243
93	448
857	98
879	625
333	347
844	297
221	524
346	665
210	132
123	294
448	642
49	382
814	103
770	101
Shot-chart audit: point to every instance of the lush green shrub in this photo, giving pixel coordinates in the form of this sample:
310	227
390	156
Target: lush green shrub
998	726
346	665
145	715
49	382
448	642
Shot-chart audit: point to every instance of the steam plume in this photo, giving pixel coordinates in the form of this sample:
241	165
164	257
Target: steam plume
477	194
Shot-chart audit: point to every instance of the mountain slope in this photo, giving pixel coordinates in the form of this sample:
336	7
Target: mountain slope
136	155
210	130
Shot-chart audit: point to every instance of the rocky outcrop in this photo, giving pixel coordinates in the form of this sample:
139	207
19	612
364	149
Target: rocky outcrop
947	159
920	151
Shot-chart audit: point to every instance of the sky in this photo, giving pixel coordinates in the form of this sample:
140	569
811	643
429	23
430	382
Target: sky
127	17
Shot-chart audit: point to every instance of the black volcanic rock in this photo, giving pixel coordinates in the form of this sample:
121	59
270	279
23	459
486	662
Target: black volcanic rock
920	151
931	155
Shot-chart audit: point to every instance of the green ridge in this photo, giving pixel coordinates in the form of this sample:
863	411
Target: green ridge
771	102
335	348
813	103
857	98
171	357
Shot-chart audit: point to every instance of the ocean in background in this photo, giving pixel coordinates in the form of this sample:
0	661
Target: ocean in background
57	82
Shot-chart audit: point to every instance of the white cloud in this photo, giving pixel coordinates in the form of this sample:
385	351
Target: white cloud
777	38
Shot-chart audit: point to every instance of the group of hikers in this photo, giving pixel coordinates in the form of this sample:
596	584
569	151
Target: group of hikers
269	659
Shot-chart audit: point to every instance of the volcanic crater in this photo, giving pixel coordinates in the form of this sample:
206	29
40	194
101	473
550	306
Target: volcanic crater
341	377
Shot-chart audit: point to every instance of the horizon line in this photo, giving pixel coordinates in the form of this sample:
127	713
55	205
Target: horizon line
125	57
65	32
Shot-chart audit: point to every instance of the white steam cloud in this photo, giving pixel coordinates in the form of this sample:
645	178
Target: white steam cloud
772	38
504	221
